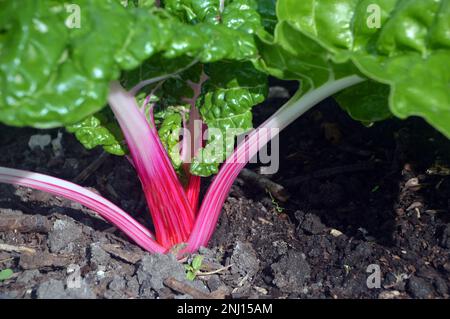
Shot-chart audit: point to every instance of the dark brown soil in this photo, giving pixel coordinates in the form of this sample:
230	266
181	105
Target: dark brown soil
361	199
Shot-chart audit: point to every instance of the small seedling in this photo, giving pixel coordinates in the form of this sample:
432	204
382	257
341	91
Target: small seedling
193	268
5	274
278	208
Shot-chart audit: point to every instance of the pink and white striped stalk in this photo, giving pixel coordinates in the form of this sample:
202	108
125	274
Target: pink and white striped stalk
97	203
171	212
218	191
195	128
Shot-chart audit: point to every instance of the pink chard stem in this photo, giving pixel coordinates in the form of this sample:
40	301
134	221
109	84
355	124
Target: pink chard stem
171	211
195	128
102	206
218	191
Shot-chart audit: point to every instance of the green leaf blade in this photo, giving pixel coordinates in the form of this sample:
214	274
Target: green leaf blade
404	44
226	108
100	129
366	102
6	274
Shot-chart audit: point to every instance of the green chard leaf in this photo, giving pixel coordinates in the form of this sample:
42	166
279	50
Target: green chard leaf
366	102
226	107
194	11
171	122
57	60
404	44
291	55
242	15
100	129
227	34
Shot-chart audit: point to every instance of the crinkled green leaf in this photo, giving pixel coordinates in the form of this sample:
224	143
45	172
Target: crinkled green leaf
220	35
242	15
52	75
409	49
100	129
194	11
366	102
225	106
169	133
229	34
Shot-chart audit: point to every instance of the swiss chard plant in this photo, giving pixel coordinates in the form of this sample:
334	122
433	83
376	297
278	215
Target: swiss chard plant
198	67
